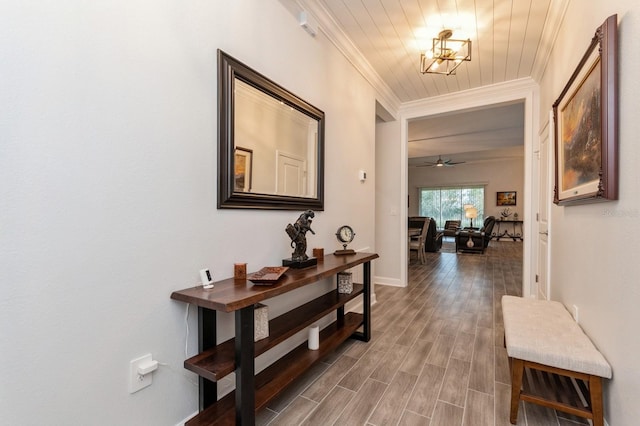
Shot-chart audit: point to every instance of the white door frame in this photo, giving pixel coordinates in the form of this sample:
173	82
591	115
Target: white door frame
523	90
542	285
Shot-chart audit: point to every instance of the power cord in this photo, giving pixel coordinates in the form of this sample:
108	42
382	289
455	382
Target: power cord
180	372
186	338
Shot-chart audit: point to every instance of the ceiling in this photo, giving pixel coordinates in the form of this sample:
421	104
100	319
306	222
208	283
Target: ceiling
491	133
511	39
508	39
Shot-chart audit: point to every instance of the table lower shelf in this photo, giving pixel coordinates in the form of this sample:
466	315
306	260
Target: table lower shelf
283	372
217	362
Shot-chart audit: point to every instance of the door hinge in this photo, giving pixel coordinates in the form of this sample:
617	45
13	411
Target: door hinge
537	217
537	277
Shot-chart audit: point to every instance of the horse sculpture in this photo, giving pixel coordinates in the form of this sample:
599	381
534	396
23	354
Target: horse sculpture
297	232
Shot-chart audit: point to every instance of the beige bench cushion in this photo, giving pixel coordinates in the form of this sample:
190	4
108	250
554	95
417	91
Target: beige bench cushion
544	331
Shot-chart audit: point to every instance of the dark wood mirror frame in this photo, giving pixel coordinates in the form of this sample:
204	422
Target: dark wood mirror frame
604	47
230	69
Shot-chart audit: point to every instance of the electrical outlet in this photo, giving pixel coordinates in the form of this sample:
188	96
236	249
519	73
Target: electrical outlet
137	381
575	313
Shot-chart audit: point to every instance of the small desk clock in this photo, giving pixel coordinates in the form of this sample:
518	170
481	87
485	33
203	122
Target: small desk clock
345	235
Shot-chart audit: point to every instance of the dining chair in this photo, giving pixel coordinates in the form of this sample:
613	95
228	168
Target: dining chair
417	244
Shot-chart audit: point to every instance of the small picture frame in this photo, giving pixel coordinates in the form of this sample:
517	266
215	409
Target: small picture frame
506	198
242	168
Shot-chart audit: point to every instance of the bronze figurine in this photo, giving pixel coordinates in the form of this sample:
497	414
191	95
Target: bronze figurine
297	232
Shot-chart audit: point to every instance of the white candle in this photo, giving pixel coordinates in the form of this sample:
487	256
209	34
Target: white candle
314	337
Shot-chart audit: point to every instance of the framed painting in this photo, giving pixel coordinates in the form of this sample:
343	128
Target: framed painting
242	167
586	121
506	198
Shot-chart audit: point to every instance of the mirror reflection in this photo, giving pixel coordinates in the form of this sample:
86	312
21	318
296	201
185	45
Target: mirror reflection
274	145
270	143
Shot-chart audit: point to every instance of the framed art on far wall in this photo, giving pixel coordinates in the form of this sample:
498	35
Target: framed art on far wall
586	121
506	198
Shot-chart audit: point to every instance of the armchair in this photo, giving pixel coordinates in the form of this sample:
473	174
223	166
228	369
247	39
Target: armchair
476	241
451	227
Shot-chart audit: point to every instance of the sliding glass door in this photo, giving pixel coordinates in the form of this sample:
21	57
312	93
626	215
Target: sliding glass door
448	203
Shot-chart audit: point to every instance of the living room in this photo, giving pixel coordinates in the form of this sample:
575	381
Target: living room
482	148
109	172
489	178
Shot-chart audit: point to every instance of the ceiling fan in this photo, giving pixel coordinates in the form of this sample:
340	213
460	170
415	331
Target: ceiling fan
441	163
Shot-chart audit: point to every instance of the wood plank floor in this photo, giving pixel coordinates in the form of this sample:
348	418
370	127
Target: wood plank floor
436	356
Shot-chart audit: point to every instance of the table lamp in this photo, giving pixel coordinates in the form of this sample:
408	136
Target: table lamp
471	213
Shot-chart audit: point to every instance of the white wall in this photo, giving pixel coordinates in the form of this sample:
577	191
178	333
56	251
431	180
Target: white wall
108	194
505	175
598	270
390	266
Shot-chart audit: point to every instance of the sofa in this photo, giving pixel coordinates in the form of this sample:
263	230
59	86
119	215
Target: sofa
472	240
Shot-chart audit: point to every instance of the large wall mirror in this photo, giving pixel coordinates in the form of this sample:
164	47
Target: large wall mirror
270	143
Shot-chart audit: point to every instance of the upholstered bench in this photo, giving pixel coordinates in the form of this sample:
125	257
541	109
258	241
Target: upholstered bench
542	335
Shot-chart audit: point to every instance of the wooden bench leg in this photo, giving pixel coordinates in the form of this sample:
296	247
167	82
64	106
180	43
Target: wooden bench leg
595	394
517	370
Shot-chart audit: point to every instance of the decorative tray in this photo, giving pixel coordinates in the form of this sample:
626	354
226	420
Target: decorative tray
267	275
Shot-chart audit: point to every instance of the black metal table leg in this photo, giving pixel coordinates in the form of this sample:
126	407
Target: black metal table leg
365	335
366	310
340	310
245	370
208	390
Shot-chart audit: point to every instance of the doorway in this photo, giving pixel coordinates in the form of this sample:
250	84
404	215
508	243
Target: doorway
524	91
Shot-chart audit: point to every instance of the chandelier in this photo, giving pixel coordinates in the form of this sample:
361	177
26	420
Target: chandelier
445	55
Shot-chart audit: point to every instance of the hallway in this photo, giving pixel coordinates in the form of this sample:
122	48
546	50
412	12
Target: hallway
436	356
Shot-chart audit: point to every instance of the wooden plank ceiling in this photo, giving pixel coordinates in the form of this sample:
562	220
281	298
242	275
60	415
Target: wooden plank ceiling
508	37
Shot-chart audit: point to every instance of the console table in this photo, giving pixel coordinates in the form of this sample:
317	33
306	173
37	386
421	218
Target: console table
216	360
508	229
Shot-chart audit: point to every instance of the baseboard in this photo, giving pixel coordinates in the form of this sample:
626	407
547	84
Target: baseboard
393	282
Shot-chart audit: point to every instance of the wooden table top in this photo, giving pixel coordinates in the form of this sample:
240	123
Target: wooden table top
230	295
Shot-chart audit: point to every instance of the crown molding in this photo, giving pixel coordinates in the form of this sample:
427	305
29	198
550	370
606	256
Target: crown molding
555	16
509	91
330	28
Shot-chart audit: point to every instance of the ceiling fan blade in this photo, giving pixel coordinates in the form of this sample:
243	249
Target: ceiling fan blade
440	162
